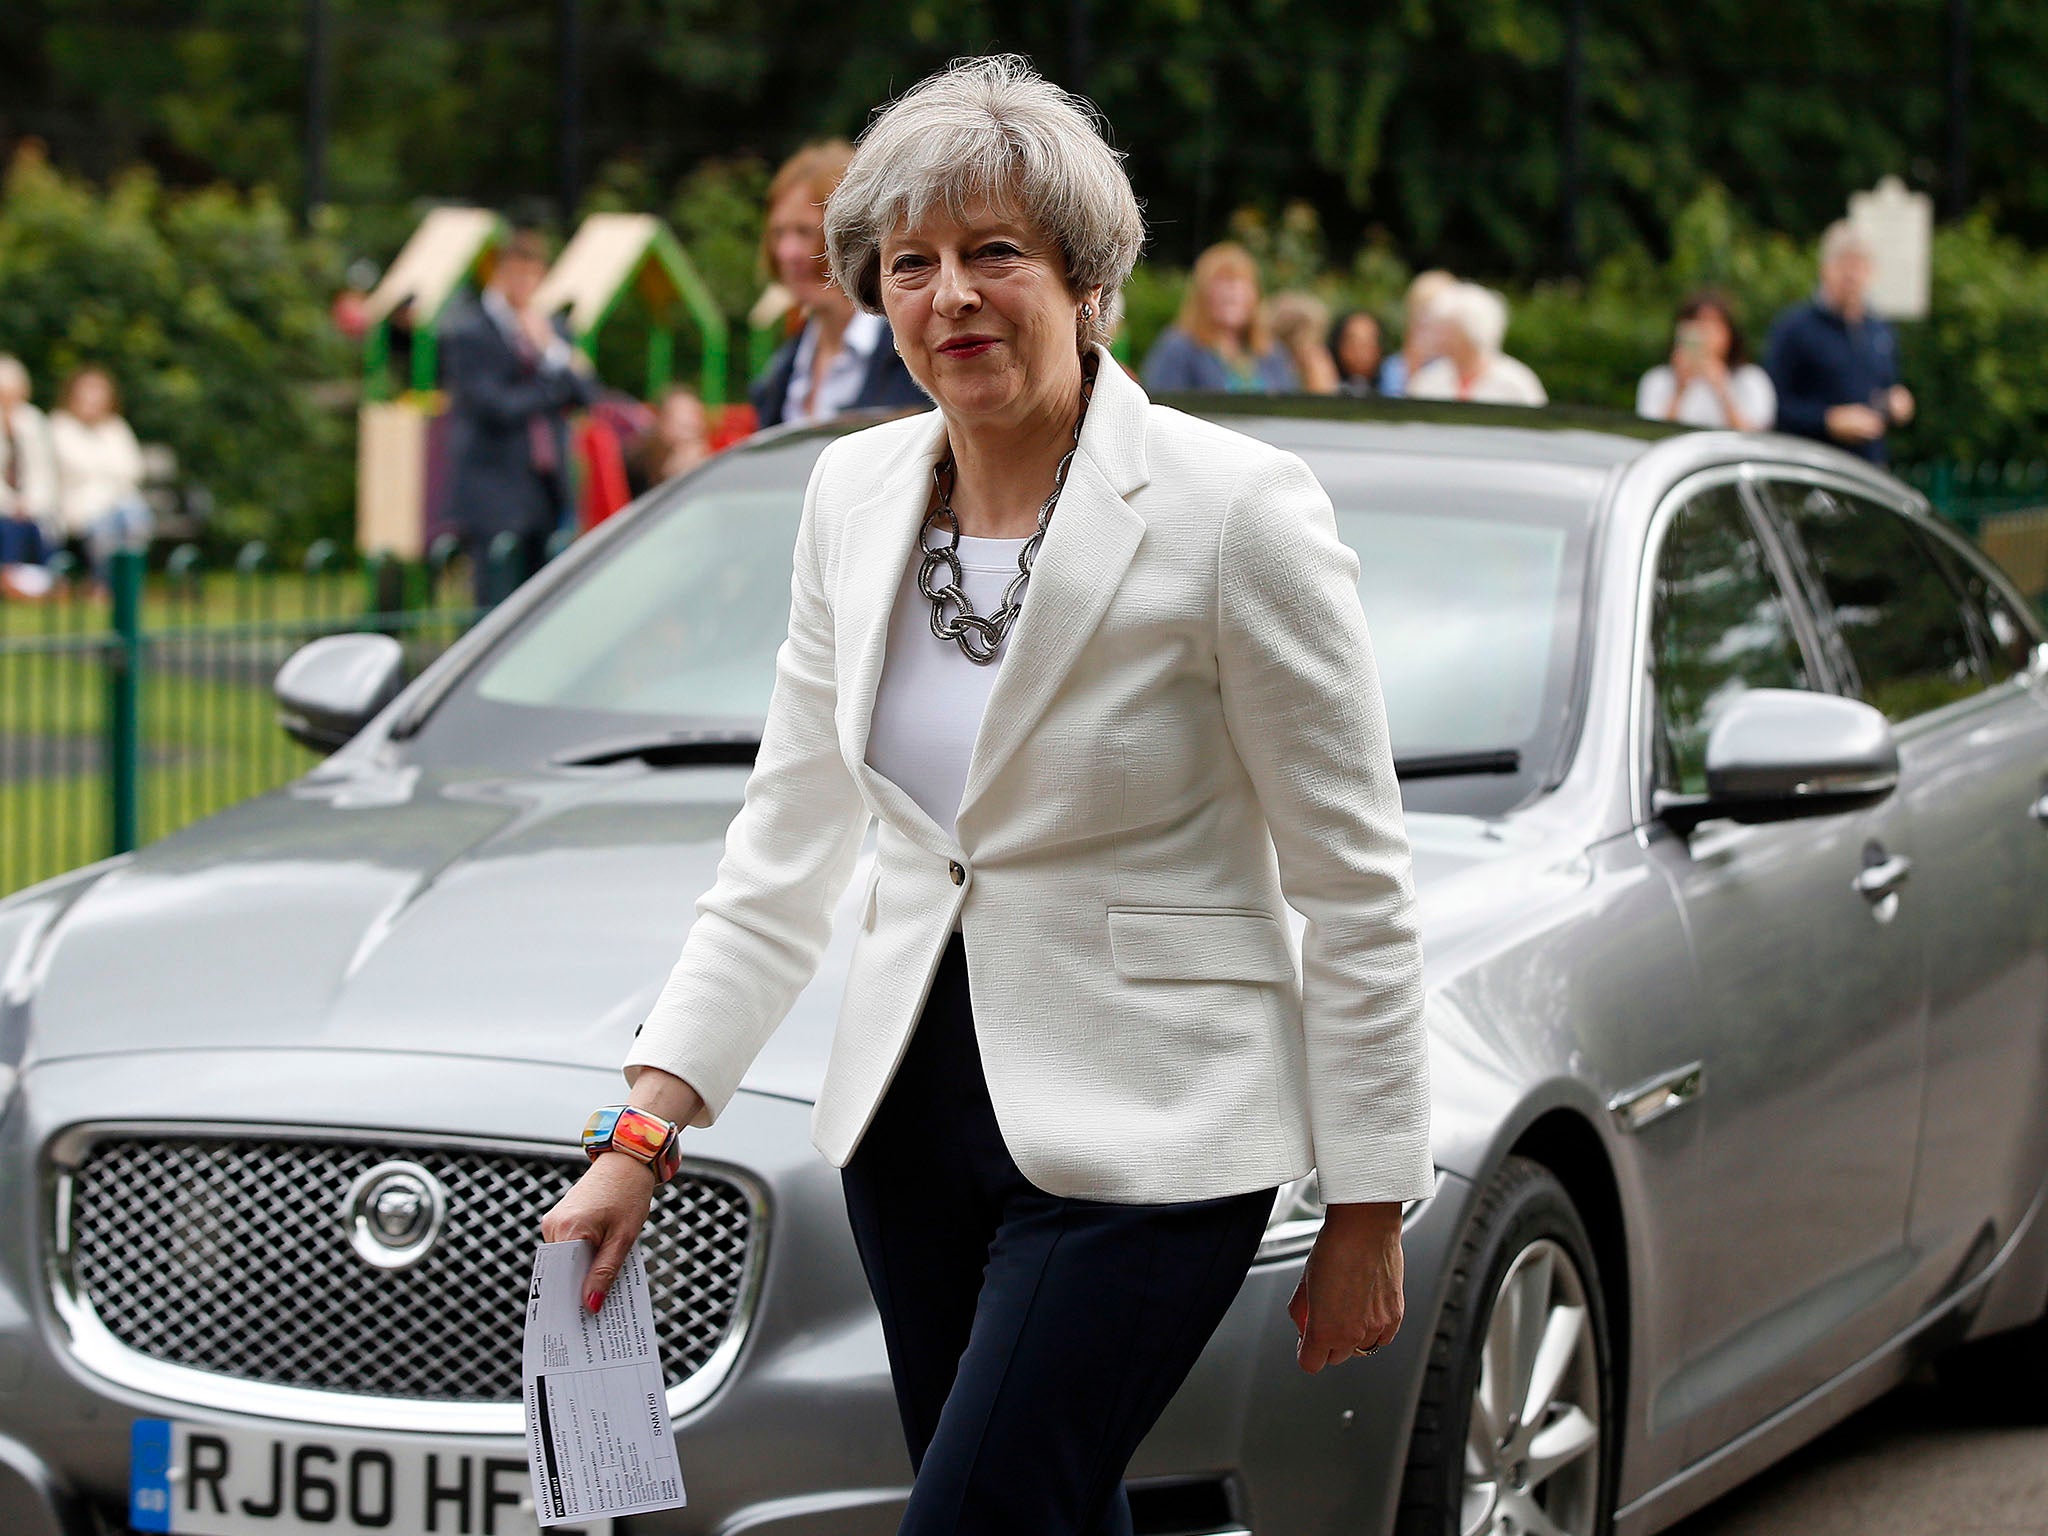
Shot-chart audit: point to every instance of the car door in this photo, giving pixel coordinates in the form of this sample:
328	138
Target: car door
1930	635
1810	1090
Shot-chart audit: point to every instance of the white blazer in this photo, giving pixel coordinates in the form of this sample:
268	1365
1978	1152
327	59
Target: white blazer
1185	732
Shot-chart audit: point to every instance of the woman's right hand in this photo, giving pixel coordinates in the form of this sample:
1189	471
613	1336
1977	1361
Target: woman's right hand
607	1207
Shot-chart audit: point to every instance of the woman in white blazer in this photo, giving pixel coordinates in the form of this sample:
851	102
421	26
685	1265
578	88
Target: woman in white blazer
1099	670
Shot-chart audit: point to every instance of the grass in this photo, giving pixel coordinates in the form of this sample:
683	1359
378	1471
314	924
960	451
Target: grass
208	727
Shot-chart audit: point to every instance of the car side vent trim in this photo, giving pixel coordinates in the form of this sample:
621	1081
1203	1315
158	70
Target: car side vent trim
1634	1108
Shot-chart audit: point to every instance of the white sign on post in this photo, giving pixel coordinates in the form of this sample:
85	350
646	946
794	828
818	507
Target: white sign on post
597	1431
1900	228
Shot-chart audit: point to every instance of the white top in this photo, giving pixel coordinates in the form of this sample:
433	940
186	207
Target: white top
843	375
929	702
1503	381
1699	406
28	473
98	467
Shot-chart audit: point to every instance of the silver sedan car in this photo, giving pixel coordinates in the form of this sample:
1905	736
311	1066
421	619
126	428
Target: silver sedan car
1726	775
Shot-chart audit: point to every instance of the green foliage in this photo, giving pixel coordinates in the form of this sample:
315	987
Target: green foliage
209	311
1442	121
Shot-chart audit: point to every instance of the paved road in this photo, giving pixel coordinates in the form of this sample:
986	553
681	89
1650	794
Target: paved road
1923	1461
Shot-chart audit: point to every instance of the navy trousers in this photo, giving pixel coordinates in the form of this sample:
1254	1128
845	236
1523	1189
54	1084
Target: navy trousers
1033	1339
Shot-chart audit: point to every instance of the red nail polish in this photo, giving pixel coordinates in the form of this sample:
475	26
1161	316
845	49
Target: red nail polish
593	1301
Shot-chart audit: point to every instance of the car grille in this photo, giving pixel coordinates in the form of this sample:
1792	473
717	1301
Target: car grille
233	1256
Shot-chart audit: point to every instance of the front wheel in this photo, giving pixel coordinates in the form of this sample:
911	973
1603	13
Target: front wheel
1514	1431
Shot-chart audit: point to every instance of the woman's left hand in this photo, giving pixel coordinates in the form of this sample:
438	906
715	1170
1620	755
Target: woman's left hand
1349	1297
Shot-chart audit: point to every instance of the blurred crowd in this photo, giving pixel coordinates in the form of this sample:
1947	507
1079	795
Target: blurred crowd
70	480
1829	372
523	404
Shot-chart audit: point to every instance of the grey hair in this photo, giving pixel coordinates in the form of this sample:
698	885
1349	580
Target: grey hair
1841	237
1476	310
992	129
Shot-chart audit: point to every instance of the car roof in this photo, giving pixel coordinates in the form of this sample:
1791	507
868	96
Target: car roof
1558	434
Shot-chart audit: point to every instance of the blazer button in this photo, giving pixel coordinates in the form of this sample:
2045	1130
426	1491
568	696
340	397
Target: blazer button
953	868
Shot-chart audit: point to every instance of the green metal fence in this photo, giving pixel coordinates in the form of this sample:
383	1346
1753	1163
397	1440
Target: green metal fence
128	712
2003	505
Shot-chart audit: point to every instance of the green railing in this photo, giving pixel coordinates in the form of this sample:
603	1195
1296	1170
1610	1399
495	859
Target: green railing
2000	503
129	713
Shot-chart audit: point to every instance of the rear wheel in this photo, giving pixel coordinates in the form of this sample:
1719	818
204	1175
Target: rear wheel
2001	1375
1513	1435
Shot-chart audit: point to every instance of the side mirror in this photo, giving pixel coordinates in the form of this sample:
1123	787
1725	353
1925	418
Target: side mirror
330	688
1779	753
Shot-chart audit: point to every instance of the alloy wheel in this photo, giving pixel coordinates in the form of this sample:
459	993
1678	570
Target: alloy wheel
1532	1445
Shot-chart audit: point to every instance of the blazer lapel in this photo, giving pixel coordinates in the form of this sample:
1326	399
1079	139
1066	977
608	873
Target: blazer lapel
1089	543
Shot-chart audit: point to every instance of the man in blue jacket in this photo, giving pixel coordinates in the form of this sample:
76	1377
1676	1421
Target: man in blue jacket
1835	364
512	379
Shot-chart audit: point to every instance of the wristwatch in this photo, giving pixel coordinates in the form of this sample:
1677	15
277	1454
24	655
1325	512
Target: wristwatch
629	1129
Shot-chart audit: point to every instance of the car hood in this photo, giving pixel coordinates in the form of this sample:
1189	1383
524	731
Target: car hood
520	918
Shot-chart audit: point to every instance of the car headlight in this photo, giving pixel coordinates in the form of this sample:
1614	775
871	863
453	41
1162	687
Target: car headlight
1297	1218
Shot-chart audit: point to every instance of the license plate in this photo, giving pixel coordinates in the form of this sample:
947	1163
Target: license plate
206	1480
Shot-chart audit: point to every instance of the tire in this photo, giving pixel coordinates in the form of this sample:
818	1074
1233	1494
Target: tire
1999	1377
1523	1227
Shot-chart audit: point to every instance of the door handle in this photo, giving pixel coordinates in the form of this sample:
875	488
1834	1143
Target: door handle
1877	881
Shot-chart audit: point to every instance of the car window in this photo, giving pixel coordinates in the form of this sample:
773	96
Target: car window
1720	624
1904	644
1471	577
2004	636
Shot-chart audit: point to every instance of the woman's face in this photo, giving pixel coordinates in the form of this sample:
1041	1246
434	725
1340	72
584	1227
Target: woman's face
796	238
982	313
1230	296
1708	333
1358	348
91	397
682	418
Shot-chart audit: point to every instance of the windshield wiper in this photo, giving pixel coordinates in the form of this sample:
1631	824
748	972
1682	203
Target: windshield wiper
693	747
1448	765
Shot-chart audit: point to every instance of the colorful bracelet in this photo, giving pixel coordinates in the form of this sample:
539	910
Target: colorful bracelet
629	1129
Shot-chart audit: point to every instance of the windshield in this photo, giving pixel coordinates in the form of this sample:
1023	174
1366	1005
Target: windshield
1470	578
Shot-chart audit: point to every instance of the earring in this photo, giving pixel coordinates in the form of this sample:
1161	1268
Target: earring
1087	311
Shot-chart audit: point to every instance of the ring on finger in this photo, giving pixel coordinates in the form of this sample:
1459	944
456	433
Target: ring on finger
1369	1349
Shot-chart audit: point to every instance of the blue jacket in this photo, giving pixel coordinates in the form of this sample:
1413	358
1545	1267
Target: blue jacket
493	392
1178	361
1817	359
886	383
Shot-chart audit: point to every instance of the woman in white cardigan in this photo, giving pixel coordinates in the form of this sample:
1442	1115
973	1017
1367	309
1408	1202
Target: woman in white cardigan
99	472
1101	670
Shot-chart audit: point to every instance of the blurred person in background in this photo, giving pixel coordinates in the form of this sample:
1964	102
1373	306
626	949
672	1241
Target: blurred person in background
1710	381
1300	323
1470	323
1835	364
1418	346
28	486
512	379
841	358
100	507
1355	348
678	440
1221	339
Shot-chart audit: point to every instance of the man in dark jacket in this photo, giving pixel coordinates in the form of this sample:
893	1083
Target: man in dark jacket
512	378
1834	363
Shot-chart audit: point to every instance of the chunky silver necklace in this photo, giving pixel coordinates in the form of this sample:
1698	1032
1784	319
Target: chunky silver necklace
980	638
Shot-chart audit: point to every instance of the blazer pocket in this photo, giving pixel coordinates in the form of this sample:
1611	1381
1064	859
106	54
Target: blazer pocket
1189	944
